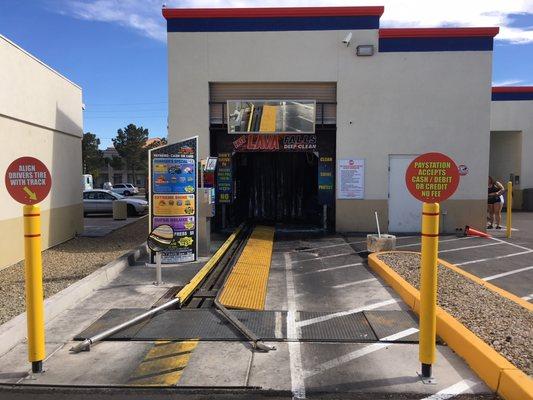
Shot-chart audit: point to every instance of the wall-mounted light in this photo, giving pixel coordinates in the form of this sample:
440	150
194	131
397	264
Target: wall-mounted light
365	50
347	39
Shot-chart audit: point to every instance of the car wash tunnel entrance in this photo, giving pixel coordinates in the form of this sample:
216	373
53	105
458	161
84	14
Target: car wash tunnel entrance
285	179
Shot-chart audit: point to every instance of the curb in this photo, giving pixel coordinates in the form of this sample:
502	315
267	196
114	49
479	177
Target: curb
14	331
498	373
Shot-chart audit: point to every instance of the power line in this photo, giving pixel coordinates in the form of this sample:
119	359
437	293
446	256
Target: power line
125	104
124	116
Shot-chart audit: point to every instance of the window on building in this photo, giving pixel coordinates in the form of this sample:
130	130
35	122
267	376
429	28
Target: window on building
117	178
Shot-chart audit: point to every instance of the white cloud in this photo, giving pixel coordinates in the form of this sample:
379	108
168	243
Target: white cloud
145	17
508	82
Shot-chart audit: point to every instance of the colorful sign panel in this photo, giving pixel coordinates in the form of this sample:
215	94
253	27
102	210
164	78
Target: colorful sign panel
173	197
325	180
174	204
351	180
432	177
224	187
266	142
174	175
28	180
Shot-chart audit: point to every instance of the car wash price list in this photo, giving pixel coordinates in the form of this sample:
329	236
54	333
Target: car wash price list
174	197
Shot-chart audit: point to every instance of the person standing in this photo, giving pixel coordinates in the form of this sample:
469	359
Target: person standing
496	189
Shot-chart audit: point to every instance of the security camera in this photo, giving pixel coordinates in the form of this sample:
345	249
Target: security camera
347	39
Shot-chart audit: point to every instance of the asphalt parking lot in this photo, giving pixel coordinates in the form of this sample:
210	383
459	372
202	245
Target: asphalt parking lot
98	225
506	263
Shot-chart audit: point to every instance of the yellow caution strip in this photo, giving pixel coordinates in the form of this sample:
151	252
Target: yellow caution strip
268	119
163	364
246	286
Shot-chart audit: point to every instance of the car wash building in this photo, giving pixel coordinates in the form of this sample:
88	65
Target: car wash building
315	113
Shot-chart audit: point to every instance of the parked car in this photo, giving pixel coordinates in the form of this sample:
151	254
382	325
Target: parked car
125	189
99	201
87	182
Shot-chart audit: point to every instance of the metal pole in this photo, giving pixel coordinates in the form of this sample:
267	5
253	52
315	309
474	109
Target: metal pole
377	223
158	279
428	286
34	287
509	208
86	344
223	216
325	216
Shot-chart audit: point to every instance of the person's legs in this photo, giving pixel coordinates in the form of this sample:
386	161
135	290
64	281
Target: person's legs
498	214
491	215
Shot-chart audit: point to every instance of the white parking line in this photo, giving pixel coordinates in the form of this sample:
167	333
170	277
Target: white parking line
295	354
331	268
514	271
324	257
454	390
277	325
511	244
343	285
359	353
440	241
344	244
469	247
323	318
494	258
528	297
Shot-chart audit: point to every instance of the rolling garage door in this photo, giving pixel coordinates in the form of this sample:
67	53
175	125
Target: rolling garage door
325	94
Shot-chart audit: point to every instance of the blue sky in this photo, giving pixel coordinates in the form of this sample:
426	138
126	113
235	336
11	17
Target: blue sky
116	49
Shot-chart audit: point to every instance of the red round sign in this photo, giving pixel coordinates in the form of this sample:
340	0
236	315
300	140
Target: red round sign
432	177
28	180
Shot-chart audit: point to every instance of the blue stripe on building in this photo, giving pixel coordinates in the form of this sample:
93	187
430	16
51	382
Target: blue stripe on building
512	96
272	24
418	44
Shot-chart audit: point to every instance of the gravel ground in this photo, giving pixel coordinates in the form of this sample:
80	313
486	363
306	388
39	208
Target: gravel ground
500	322
67	263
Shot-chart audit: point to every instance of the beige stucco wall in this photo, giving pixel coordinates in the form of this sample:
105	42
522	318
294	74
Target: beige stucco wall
390	103
40	116
509	117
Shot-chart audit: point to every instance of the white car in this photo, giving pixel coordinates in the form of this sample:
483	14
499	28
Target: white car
99	201
125	189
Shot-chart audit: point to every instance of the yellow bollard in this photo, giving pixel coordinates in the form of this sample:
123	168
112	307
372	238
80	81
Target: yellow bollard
428	286
509	207
34	286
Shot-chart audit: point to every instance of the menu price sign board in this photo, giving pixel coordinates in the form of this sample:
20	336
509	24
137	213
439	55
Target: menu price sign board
173	197
432	177
351	179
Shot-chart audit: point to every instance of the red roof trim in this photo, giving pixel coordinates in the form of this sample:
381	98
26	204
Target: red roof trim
437	32
269	12
512	89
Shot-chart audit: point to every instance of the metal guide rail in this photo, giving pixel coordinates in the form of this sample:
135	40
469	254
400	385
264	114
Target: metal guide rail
201	292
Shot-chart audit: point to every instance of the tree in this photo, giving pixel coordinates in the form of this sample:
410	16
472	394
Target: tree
130	145
116	163
92	157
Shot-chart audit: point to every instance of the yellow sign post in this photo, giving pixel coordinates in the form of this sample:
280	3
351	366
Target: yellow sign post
428	286
28	181
34	286
430	178
509	208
